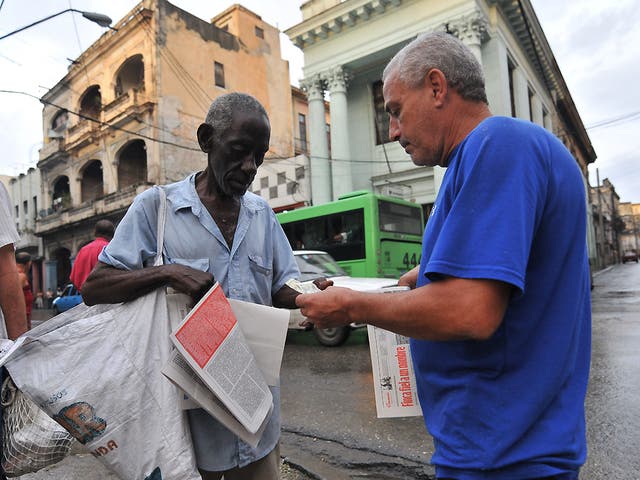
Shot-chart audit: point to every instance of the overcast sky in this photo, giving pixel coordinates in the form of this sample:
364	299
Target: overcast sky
596	45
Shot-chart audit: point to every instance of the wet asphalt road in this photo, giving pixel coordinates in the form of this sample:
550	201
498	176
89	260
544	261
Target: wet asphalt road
330	430
613	399
328	409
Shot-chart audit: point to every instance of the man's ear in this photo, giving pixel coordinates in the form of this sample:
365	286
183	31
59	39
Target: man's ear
436	85
205	137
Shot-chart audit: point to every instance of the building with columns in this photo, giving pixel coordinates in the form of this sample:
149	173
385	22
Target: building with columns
609	225
347	44
125	115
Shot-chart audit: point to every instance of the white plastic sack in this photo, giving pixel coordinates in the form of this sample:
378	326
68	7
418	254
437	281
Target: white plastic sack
96	371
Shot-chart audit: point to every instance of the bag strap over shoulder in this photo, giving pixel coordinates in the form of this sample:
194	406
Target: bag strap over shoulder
162	217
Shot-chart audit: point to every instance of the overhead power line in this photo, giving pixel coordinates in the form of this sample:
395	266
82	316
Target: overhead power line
612	121
104	124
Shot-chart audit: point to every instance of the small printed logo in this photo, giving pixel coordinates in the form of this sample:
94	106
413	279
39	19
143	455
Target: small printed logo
433	210
80	420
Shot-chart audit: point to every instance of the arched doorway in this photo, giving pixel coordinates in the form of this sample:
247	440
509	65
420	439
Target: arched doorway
92	184
91	102
61	194
132	164
130	76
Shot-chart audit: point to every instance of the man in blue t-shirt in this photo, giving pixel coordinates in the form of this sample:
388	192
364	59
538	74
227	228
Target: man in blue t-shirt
499	312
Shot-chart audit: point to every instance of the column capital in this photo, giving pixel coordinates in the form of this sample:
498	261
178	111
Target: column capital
472	28
337	79
313	87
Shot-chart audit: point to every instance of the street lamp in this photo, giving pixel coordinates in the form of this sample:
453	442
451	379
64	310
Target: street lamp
98	18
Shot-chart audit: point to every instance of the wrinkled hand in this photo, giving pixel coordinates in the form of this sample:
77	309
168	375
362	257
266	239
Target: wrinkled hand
409	279
327	308
194	283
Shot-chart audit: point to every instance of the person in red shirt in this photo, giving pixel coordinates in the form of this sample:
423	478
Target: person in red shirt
88	255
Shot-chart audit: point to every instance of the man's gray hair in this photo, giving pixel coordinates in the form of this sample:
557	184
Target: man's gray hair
446	53
221	111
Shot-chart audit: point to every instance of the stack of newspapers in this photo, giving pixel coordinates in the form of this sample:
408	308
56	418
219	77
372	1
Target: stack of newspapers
227	354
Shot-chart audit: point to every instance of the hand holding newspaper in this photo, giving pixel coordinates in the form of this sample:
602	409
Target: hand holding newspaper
213	345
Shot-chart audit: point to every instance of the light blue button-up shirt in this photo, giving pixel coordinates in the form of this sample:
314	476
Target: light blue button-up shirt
257	265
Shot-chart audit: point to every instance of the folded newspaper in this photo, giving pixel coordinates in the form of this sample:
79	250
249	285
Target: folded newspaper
394	381
217	368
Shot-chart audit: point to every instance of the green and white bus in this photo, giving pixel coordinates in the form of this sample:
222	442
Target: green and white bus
369	235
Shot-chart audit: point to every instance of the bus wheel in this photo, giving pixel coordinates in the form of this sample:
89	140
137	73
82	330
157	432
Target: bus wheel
332	337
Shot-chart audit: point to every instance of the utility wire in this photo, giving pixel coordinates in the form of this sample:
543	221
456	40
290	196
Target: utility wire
611	121
104	124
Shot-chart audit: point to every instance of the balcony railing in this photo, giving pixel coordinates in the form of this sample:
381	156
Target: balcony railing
128	103
301	146
55	145
107	204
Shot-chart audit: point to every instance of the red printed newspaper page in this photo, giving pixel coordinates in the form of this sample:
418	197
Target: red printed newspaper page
214	346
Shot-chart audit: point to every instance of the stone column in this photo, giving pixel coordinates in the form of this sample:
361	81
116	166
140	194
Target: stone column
471	29
320	169
337	80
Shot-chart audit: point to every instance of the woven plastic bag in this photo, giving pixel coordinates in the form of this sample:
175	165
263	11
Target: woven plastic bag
96	371
30	439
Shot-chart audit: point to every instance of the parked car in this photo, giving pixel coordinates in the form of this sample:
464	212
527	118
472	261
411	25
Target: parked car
69	298
629	256
314	264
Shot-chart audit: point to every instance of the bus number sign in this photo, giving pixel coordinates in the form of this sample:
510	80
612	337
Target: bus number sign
410	262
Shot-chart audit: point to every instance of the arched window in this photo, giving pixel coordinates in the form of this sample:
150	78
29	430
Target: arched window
91	102
130	75
132	164
61	197
59	124
92	184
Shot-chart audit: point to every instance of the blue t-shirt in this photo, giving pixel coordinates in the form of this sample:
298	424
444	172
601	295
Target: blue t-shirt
511	208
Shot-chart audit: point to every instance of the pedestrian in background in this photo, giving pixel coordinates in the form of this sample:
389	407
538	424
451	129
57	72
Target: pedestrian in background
23	261
215	231
48	298
87	257
499	311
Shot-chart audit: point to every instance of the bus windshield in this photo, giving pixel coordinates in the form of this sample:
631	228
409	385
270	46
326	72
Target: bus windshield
398	218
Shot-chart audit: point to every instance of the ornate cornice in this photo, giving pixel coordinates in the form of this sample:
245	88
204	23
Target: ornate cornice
343	16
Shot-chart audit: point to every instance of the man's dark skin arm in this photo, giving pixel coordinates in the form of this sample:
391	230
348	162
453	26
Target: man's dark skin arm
107	284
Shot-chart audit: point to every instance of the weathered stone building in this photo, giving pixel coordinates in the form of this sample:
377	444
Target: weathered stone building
607	222
125	115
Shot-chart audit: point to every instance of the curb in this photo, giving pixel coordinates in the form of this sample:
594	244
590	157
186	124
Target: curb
606	269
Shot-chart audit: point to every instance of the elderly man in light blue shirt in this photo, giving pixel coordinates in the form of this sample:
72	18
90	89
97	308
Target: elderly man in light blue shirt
215	231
